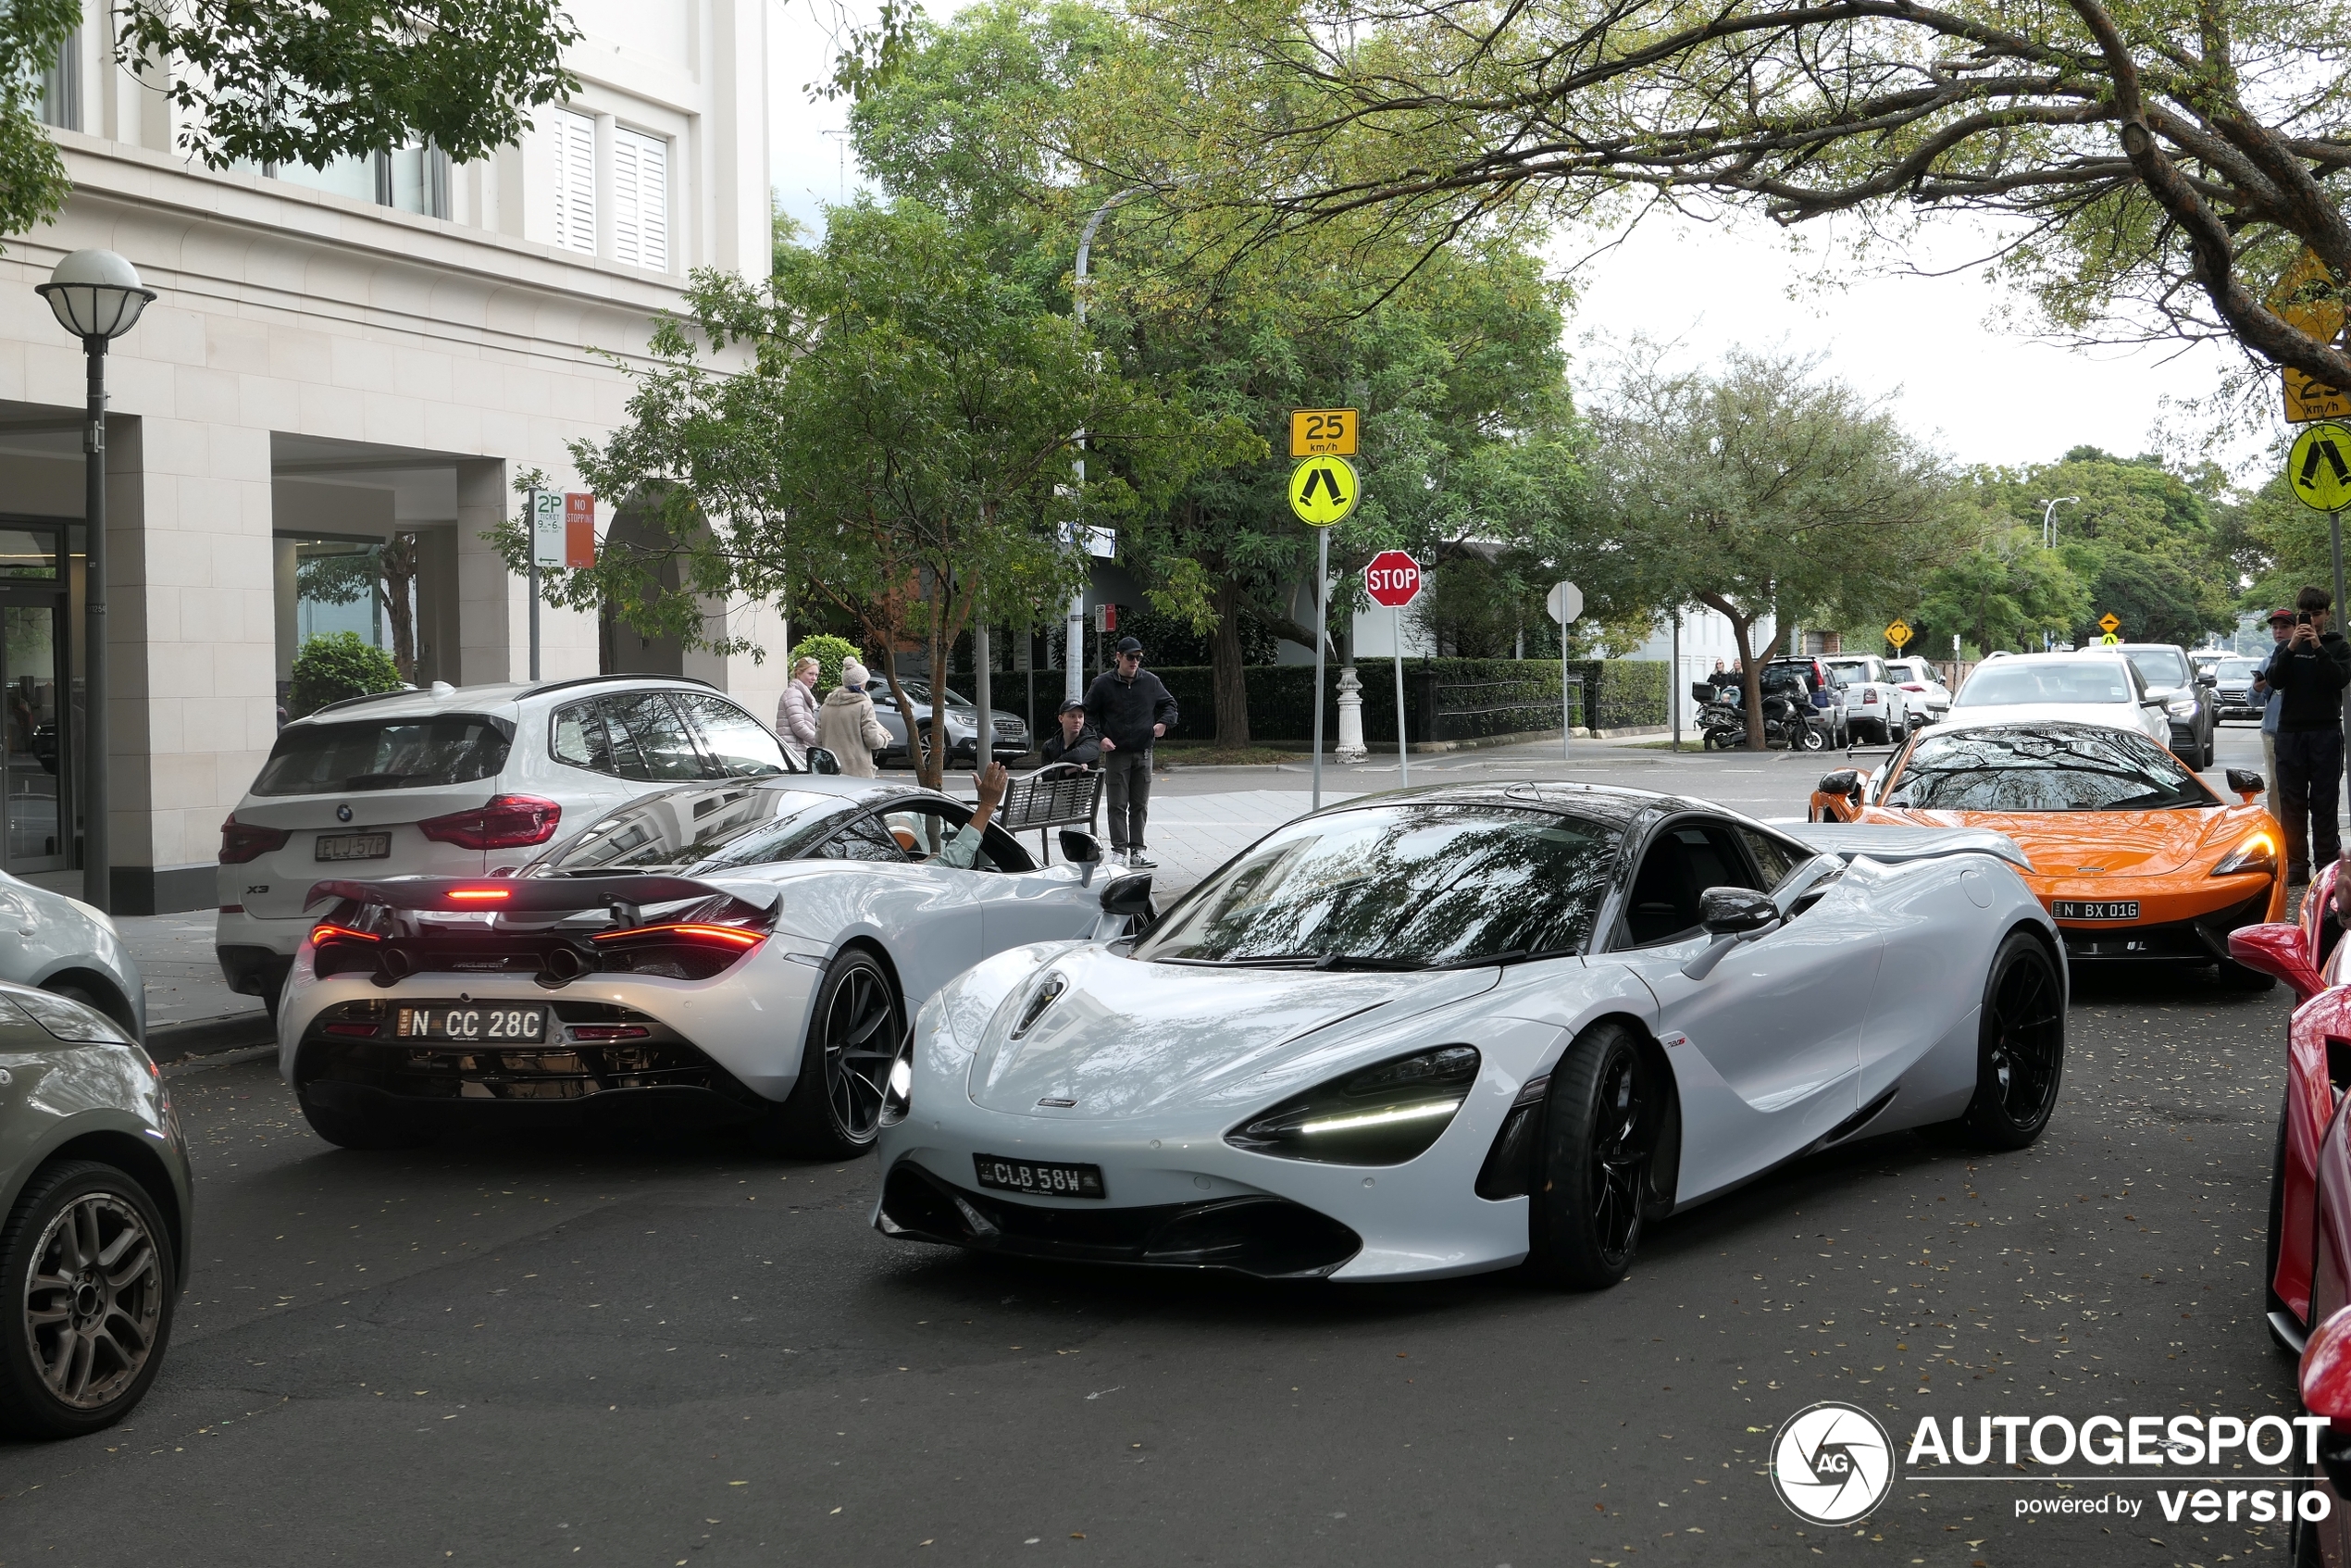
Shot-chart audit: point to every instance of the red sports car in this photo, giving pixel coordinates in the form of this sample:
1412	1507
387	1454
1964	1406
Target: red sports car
2308	955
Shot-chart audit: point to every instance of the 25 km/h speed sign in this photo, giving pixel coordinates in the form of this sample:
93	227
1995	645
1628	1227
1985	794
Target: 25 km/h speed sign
1393	578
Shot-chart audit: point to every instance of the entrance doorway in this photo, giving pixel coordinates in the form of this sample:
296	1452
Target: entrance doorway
39	728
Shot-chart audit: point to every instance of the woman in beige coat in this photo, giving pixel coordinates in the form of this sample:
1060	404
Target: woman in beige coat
846	726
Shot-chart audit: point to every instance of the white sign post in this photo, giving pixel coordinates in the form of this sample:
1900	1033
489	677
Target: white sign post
544	516
1394	579
1565	602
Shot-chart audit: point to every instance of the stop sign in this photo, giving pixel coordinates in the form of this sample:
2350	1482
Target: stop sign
1393	578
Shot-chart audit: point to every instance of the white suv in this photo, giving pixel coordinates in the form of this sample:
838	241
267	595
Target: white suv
1874	701
455	782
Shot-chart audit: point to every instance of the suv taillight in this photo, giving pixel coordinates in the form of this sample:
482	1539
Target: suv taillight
240	841
508	822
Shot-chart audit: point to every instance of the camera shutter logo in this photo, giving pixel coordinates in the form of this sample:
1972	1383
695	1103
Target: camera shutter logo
1832	1464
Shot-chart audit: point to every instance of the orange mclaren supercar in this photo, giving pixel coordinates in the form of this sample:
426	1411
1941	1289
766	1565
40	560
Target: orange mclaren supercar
2133	855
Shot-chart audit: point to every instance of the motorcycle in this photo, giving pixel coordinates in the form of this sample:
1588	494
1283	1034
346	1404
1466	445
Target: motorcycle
1787	725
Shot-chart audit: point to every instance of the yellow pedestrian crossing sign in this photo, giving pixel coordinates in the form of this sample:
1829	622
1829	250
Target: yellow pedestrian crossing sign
1323	491
1898	633
2110	641
2107	624
2319	467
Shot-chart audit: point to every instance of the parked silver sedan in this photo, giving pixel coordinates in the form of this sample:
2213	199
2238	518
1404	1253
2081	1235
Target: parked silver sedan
97	1199
62	945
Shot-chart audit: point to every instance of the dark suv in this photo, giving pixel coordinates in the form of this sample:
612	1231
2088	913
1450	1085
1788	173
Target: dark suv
2188	693
1817	678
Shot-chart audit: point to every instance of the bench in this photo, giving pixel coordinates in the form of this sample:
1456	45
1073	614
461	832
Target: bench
1060	794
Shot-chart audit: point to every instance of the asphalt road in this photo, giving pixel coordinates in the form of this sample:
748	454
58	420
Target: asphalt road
569	1352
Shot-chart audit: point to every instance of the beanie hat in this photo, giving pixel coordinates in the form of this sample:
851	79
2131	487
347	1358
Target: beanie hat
852	673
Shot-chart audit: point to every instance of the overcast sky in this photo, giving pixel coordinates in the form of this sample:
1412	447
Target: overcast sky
1985	395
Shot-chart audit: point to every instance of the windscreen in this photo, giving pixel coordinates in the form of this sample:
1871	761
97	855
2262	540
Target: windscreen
2045	768
2011	681
700	828
384	754
1398	887
2160	666
2237	669
1850	669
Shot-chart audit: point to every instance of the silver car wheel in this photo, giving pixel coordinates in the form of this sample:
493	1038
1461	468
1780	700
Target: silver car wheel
860	1044
94	1301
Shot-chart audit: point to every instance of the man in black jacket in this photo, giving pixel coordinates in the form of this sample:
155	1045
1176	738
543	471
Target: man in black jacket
2308	671
1075	741
1131	709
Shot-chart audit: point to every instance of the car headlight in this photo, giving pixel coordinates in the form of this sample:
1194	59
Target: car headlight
2181	707
1379	1116
2259	853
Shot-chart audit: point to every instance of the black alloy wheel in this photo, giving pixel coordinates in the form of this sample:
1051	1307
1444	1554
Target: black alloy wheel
1600	1124
86	1271
855	1030
2021	1046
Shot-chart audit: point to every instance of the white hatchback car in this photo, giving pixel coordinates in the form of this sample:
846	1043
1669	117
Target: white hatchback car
468	781
2089	687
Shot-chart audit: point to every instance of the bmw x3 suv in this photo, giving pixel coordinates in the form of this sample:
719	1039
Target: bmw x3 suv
469	781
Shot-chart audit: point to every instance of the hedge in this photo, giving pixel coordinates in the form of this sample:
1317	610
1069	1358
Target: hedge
1446	699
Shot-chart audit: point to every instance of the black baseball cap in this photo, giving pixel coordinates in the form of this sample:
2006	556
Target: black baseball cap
1128	645
1072	706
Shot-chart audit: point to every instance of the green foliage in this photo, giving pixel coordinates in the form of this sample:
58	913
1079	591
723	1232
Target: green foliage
885	429
330	668
289	81
2004	593
829	651
32	177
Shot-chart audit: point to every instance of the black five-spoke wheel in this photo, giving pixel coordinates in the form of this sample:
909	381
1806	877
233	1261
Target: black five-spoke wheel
855	1031
2021	1048
1602	1122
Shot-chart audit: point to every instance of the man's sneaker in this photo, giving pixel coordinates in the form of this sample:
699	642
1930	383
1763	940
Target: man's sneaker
1114	857
1139	860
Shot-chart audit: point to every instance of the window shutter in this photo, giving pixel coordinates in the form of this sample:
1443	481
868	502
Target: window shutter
641	200
575	149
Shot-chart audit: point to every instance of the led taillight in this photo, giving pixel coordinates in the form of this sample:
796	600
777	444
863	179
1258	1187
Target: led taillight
242	841
480	895
354	1031
593	1033
321	935
508	822
715	936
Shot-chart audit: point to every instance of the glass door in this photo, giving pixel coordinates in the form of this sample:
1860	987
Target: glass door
31	836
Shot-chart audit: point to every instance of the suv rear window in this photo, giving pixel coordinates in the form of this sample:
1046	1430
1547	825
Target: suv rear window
384	754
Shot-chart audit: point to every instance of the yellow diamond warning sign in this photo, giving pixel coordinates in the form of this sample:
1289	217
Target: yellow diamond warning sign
2107	624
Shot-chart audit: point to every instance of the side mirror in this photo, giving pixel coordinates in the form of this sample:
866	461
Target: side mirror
2326	1391
1128	895
1843	781
2279	951
2246	783
822	761
1735	911
2150	702
1079	847
2207	679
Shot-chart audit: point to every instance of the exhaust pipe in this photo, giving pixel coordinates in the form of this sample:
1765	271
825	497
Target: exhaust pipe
392	965
562	964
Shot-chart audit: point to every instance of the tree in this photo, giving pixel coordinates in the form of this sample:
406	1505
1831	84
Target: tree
2004	593
1761	490
286	81
385	574
2148	170
2141	537
1467	430
899	447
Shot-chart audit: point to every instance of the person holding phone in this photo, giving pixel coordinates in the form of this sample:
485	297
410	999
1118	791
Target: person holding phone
2308	671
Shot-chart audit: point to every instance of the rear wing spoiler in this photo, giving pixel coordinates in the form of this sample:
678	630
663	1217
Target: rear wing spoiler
1891	843
536	895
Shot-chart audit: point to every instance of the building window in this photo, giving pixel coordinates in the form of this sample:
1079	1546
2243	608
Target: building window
641	200
575	148
61	85
410	179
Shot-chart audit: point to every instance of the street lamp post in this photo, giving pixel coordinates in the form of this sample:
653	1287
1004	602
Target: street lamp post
2048	524
97	296
1072	676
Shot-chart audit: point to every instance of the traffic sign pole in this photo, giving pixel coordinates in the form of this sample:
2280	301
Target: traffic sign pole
1322	635
1394	579
1403	731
